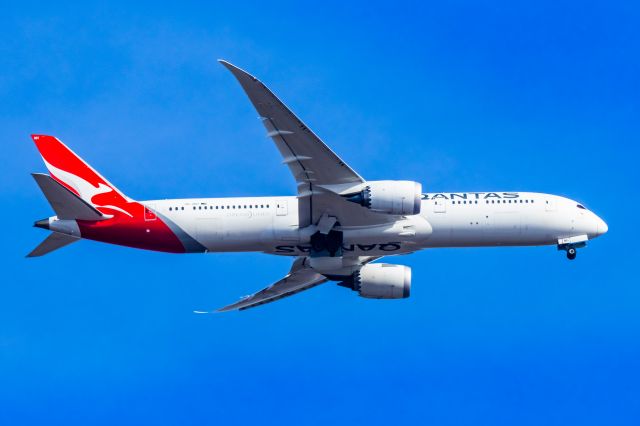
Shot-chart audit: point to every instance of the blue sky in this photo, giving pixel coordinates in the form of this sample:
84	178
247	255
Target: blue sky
539	96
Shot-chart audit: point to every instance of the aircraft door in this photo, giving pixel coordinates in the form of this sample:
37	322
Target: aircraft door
149	214
439	206
281	208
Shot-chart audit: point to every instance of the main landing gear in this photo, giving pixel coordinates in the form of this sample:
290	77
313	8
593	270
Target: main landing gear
326	252
329	244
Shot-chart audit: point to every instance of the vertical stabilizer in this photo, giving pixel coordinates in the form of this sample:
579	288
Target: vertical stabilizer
72	172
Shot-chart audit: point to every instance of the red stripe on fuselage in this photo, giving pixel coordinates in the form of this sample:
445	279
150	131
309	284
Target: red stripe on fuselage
132	231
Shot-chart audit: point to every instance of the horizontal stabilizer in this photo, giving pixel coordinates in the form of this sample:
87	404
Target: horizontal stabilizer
65	203
51	243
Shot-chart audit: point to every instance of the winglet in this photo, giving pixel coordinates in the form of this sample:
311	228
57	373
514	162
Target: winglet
238	72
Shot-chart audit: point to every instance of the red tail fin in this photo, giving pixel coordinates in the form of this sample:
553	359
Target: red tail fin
79	177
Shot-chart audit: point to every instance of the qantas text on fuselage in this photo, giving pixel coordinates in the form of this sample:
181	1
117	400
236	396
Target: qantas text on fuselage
336	227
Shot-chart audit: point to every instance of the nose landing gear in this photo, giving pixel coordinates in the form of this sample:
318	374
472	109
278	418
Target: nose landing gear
571	244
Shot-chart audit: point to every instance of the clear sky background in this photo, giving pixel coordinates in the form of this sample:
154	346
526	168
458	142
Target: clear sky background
469	96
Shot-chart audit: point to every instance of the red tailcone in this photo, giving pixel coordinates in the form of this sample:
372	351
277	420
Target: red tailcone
133	232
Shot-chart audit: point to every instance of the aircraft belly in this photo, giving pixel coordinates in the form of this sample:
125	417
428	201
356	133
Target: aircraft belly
487	227
349	249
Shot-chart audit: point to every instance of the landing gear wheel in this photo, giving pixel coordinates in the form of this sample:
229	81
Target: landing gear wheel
571	253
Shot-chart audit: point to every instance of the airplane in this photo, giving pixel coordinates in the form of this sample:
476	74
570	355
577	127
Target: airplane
335	227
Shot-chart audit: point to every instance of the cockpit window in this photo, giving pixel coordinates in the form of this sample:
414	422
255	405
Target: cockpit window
580	206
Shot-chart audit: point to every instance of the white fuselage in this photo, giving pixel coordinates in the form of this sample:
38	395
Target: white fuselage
270	224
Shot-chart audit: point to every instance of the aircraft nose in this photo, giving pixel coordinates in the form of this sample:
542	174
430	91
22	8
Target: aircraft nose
602	226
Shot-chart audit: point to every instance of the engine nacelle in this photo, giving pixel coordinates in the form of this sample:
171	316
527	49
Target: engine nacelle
400	197
383	281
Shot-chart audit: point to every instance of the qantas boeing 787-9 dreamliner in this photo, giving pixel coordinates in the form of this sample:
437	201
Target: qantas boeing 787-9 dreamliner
335	227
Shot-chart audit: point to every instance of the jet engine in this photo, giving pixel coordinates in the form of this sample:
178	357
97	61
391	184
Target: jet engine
400	197
383	281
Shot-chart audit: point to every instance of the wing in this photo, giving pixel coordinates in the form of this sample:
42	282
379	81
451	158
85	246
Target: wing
313	164
300	278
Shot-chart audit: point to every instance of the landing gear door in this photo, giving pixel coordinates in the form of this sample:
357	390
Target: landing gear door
439	206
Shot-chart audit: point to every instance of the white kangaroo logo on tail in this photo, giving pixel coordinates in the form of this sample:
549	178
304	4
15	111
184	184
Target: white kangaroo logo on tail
86	190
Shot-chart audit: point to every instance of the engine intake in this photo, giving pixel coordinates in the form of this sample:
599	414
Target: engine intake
383	281
400	197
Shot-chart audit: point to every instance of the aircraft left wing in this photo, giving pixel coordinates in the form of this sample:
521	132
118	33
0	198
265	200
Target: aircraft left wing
314	166
300	278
